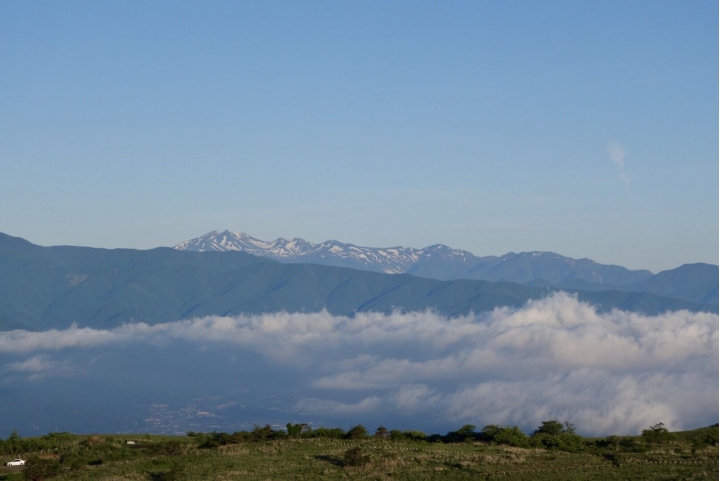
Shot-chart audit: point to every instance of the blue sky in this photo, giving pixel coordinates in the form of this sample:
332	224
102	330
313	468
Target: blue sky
584	128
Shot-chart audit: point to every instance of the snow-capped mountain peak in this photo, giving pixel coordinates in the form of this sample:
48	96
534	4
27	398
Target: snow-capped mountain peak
239	241
437	261
391	260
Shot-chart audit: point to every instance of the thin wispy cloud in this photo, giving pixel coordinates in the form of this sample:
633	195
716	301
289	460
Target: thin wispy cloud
617	156
555	357
39	366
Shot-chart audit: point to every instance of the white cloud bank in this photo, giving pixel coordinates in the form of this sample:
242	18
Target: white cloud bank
557	357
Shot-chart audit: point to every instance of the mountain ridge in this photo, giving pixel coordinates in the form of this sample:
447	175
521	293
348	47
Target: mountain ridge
45	288
436	261
691	282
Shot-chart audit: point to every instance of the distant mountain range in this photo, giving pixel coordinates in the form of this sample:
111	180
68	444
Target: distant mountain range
54	287
691	282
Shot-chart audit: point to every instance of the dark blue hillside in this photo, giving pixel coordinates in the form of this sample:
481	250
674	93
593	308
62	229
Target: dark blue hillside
697	282
690	282
54	287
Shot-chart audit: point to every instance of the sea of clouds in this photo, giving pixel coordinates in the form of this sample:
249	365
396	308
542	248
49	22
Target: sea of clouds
555	358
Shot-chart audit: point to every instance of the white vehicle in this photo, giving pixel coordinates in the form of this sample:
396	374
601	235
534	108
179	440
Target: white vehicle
15	462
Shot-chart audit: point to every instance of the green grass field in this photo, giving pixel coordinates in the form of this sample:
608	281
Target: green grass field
687	455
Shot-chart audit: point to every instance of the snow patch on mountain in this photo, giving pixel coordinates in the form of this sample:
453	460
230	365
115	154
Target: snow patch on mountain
392	260
436	261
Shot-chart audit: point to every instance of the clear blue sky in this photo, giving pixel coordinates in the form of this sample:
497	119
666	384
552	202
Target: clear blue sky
584	128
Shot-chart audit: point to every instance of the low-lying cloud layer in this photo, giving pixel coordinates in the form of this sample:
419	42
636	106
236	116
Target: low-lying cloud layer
615	372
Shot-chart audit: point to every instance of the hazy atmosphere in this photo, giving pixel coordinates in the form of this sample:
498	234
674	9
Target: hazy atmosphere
587	129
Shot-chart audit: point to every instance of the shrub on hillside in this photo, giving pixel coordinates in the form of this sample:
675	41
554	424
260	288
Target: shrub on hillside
58	438
74	461
331	433
357	432
354	457
551	428
266	433
563	441
414	435
657	434
711	437
509	435
38	469
167	448
463	435
553	434
173	474
294	430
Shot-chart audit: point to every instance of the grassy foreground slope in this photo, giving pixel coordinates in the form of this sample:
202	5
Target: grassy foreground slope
685	455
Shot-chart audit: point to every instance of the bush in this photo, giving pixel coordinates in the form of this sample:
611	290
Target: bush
58	438
294	430
555	435
91	441
711	438
551	428
563	441
205	442
215	439
657	434
464	434
37	469
331	433
357	432
510	435
238	437
168	448
434	438
265	433
414	435
174	474
409	435
74	461
614	458
632	444
354	457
